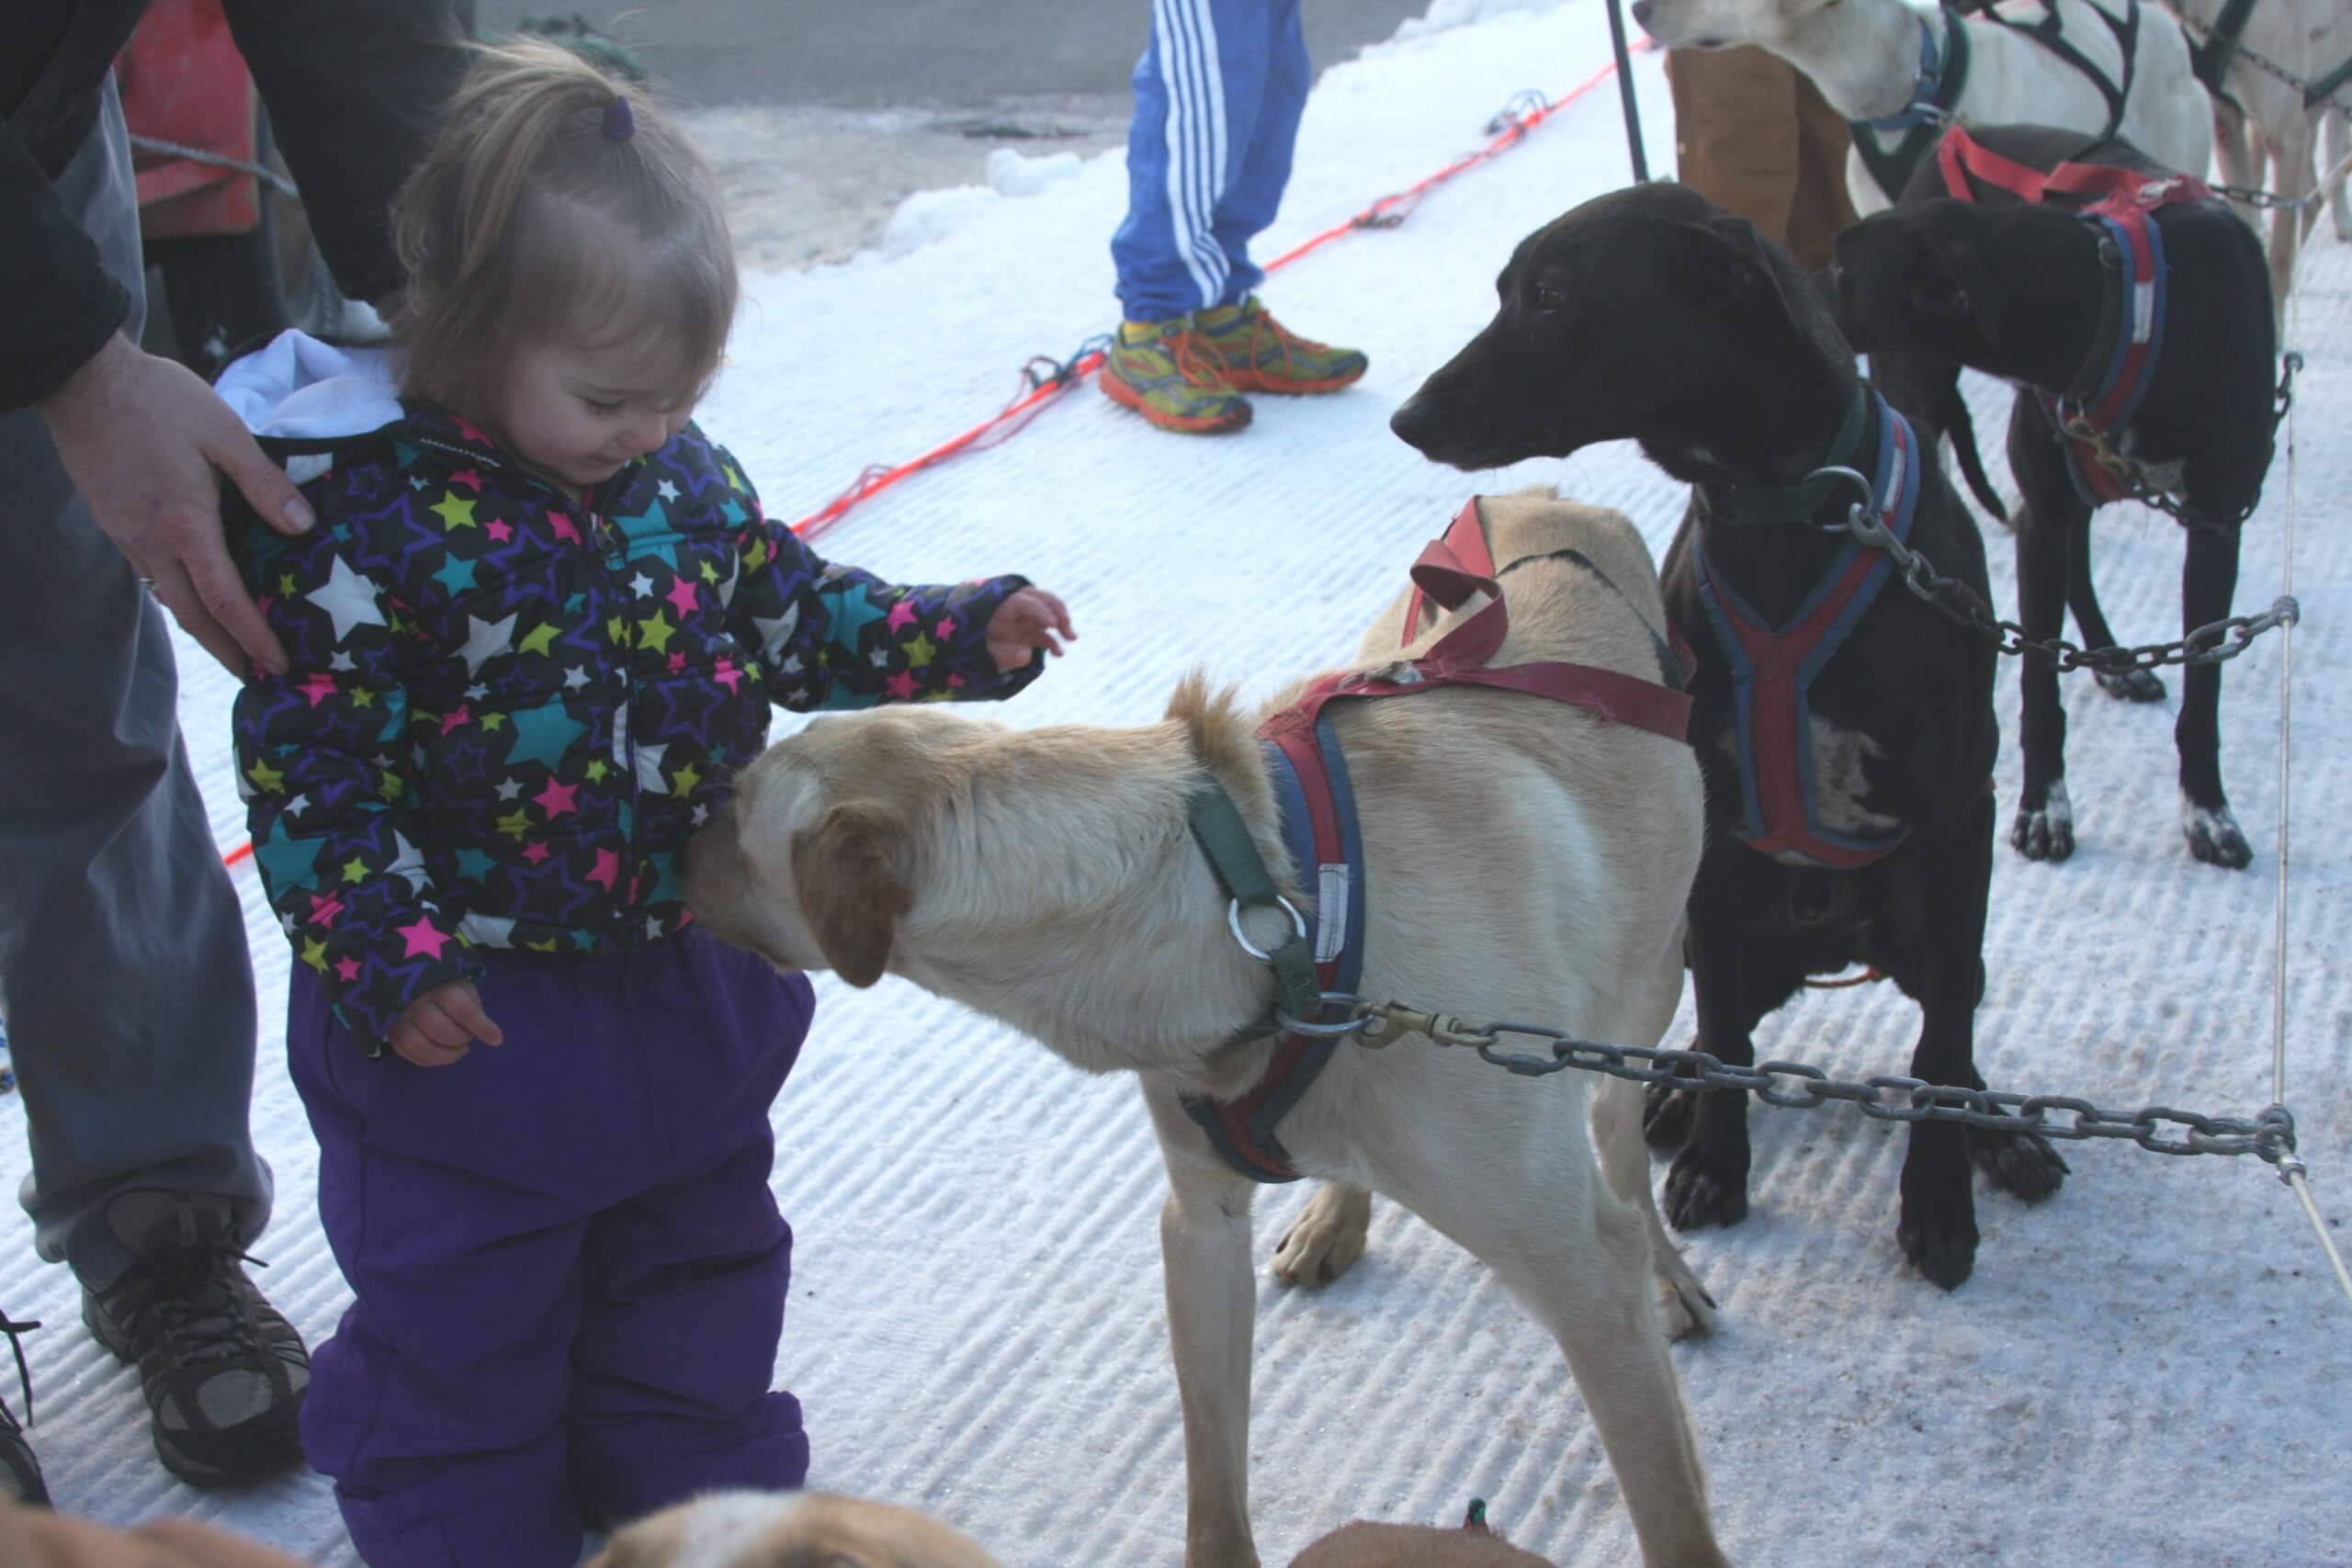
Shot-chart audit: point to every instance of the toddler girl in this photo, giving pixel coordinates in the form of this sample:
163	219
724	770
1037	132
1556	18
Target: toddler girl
540	619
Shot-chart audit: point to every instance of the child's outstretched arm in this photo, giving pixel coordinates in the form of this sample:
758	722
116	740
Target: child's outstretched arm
835	637
322	761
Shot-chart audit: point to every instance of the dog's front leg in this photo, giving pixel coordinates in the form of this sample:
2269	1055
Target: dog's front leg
2050	516
2209	581
1708	1182
1212	1313
1943	934
2081	598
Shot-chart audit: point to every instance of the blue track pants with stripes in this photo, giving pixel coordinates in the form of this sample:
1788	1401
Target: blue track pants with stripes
1219	95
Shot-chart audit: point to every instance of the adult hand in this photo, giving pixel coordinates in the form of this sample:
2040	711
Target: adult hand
441	1026
1025	622
145	442
36	1538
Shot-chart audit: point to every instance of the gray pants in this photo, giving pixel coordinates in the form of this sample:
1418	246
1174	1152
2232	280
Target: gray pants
124	973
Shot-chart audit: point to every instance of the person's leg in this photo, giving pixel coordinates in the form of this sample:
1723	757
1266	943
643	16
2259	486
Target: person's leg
1196	105
1273	80
1823	205
123	968
1736	132
457	1201
1254	351
687	1281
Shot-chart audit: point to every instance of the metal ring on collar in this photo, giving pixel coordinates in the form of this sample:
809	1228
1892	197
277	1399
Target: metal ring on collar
1232	923
1839	471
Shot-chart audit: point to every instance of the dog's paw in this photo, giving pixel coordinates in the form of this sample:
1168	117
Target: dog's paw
1326	1237
1684	1307
2047	833
1944	1252
2132	686
2214	836
1666	1114
2021	1164
1697	1196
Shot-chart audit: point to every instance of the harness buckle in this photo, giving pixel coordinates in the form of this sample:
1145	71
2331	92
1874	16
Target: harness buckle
1233	924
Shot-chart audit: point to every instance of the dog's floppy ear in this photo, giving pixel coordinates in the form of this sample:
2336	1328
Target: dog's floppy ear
1947	278
846	869
1720	262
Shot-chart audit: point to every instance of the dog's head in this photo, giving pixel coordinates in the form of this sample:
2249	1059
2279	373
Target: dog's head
809	865
797	1530
1720	24
1648	313
1940	277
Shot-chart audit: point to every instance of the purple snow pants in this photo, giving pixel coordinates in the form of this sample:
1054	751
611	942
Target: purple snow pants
569	1267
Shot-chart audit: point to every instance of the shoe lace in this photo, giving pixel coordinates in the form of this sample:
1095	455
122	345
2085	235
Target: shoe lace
15	1332
1193	362
1287	342
189	1298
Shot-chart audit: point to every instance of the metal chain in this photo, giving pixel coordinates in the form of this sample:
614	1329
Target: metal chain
2210	644
2253	195
2277	72
2269	1135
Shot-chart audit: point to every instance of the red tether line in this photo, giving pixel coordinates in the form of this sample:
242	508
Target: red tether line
1384	213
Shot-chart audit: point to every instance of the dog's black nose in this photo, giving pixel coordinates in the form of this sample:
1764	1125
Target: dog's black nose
1642	11
1412	424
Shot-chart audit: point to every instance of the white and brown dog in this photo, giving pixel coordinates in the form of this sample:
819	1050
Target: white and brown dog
1525	860
788	1529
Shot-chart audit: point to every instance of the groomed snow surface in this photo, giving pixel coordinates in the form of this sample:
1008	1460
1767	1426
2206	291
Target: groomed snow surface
2152	1367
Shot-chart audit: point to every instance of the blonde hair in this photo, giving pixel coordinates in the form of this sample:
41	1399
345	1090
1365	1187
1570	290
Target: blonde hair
543	212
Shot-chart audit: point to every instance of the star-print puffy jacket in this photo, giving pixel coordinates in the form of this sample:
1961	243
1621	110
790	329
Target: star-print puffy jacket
506	711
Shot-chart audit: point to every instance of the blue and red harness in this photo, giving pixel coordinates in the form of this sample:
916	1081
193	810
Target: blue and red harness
2121	365
1773	668
1309	774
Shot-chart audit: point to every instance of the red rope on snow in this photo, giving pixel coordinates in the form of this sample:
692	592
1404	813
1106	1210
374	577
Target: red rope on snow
1506	130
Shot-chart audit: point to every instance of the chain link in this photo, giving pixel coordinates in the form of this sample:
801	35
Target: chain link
2269	1135
2211	644
2254	195
2214	643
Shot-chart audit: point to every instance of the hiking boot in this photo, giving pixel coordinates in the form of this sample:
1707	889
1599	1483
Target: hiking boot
20	1471
223	1373
1258	354
1158	370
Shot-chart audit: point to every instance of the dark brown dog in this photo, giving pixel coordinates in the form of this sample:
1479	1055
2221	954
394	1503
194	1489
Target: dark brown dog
1650	314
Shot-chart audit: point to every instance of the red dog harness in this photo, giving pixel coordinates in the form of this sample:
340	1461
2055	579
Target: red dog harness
1773	668
1310	780
2121	365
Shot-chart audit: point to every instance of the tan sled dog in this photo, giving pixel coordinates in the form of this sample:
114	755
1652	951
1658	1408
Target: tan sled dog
788	1529
1523	860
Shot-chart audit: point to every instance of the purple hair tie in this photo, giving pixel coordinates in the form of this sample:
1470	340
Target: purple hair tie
620	121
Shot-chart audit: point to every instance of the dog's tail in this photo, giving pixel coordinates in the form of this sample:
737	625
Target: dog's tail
1954	417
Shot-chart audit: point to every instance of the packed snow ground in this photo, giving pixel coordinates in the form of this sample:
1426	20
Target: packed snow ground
2151	1368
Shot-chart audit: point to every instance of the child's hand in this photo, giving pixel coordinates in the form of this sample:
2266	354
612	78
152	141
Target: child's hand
1025	623
442	1025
